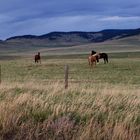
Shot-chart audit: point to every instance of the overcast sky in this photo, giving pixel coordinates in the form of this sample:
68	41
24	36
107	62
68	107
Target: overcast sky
37	17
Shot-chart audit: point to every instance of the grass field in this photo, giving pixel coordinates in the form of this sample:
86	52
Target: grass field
101	103
123	68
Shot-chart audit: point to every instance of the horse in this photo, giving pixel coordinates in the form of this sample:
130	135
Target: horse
104	56
97	56
37	58
92	59
100	56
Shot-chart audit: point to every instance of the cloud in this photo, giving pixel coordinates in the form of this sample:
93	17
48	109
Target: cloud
38	26
119	18
18	17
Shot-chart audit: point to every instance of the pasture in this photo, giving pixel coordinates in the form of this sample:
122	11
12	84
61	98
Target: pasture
122	69
100	103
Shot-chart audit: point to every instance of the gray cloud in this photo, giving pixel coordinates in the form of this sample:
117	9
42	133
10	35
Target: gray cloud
18	17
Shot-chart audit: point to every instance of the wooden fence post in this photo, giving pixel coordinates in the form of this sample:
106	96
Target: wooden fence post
0	74
66	76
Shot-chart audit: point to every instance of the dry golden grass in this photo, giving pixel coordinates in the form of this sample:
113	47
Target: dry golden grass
82	112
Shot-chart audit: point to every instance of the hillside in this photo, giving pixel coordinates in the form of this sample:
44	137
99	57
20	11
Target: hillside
73	42
74	38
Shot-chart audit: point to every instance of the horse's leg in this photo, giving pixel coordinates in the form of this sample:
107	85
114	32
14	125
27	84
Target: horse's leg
97	58
35	61
91	64
104	61
88	61
95	62
107	59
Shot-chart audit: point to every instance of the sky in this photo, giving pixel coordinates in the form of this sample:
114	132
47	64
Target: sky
37	17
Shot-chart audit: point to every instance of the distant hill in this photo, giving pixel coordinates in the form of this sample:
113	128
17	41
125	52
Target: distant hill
73	42
74	38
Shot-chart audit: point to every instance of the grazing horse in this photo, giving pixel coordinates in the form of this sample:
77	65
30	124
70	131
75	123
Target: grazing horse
100	56
104	56
37	58
92	59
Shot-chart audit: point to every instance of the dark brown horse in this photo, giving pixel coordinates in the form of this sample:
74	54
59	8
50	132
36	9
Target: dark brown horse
38	58
103	56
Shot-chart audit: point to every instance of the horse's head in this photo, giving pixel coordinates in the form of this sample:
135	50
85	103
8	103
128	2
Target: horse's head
93	52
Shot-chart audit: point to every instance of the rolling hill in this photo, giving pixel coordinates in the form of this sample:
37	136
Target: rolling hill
73	42
74	38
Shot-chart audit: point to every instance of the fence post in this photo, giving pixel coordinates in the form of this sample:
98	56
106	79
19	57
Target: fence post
66	76
0	74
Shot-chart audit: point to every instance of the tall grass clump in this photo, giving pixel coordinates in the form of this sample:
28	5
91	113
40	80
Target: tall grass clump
39	111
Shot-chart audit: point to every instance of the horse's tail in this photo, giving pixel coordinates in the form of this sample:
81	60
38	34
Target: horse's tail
35	58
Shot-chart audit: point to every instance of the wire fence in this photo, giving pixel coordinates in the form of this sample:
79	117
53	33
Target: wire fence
66	75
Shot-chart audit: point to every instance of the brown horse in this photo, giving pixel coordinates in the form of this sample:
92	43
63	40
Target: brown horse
38	58
92	59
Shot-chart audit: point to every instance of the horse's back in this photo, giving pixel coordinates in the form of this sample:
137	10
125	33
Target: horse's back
37	57
103	55
92	58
